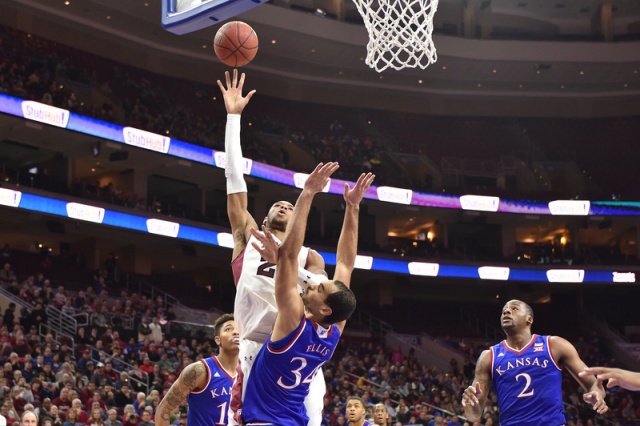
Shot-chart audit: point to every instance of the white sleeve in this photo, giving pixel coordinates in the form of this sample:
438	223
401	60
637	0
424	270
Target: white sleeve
305	278
234	164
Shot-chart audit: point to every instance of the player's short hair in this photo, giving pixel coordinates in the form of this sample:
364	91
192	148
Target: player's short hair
357	398
220	322
342	303
528	309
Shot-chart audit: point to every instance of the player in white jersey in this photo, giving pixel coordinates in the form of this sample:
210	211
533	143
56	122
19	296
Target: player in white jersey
255	308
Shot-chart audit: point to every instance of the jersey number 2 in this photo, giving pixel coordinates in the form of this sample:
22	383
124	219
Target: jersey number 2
266	269
527	385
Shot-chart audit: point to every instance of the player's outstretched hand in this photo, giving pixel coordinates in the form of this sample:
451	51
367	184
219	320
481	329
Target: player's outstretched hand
234	102
471	395
268	247
596	399
354	196
616	377
319	178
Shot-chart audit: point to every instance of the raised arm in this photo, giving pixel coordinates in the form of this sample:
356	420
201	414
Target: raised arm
193	377
616	376
474	398
239	217
567	355
348	242
290	305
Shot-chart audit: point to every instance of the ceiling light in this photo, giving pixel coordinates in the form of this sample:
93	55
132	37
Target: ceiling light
273	42
444	67
420	81
581	72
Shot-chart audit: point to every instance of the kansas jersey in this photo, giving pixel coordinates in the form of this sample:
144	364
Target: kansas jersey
528	384
255	308
208	406
282	372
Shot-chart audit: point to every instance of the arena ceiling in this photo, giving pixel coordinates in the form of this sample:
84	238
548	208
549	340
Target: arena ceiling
531	66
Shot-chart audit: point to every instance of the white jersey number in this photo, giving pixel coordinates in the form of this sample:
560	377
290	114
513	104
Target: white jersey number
298	375
527	385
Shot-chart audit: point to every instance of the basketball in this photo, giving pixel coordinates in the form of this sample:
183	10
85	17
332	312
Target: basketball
236	44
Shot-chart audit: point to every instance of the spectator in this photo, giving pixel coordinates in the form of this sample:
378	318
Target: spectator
38	314
68	308
99	378
97	402
95	418
156	331
14	288
113	418
140	403
18	401
7	275
76	405
65	368
43	410
60	298
72	418
110	372
144	330
146	419
63	402
9	313
130	416
48	374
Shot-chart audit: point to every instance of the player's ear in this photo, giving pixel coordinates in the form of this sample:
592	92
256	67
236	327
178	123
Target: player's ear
529	319
264	221
325	310
217	340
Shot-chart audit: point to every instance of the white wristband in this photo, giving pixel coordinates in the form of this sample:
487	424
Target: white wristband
305	278
234	164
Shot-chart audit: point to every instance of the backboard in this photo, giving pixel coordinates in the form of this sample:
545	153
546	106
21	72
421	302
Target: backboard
185	16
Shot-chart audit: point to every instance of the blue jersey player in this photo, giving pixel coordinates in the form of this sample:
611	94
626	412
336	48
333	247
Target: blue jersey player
355	412
302	342
206	384
525	371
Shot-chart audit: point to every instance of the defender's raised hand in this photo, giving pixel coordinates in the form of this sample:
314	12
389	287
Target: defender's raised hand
354	196
234	102
318	179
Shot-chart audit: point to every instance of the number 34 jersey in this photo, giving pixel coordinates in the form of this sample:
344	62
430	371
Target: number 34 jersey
282	372
255	308
528	384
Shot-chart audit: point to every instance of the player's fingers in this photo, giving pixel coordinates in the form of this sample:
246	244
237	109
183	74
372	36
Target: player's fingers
241	84
612	383
235	78
477	390
257	246
592	370
250	94
228	78
221	86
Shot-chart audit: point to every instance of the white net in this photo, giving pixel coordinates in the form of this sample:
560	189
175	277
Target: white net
399	33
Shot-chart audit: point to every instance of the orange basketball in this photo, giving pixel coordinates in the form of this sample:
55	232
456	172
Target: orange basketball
236	44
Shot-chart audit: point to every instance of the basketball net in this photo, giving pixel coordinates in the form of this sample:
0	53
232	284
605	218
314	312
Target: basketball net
399	33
